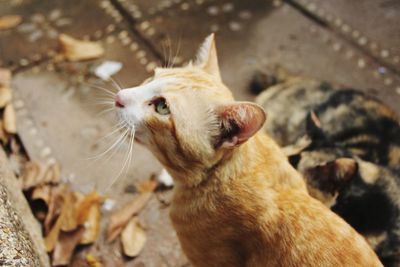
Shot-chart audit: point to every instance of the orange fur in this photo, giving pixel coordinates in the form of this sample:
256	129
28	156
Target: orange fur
253	210
237	202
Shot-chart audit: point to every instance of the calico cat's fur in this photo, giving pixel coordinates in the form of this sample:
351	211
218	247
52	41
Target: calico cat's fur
348	118
341	127
237	201
365	194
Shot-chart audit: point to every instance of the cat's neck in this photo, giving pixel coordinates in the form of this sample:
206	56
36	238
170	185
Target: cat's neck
255	157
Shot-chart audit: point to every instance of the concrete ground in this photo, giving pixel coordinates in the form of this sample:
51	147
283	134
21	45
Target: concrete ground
349	43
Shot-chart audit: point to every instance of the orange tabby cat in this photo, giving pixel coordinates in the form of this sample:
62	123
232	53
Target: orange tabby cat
237	201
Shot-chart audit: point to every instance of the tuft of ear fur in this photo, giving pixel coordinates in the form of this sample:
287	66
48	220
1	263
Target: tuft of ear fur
239	122
206	57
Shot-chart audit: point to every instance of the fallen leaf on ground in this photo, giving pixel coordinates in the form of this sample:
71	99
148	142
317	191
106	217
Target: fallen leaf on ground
5	77
69	222
42	192
41	196
4	136
55	207
9	21
32	174
120	218
76	50
133	238
147	186
88	215
87	202
10	124
52	174
92	261
51	239
5	96
35	174
65	246
91	225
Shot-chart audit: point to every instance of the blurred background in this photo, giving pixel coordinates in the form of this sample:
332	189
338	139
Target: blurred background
57	98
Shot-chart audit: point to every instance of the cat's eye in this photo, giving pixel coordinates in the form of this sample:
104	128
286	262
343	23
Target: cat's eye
161	106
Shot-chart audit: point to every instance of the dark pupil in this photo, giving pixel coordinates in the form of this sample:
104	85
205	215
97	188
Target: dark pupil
162	104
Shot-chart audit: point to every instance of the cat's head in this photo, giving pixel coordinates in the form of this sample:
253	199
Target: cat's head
186	116
330	171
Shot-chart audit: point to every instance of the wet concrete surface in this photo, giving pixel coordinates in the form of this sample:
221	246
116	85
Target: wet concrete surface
58	118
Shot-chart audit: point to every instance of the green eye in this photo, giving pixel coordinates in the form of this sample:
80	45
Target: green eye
161	106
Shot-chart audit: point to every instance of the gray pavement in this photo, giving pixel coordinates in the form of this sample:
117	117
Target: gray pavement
349	43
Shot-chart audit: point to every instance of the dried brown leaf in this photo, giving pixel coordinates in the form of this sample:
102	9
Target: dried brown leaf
52	174
5	77
55	207
86	203
4	136
76	50
42	192
65	246
147	186
5	96
133	238
32	174
9	21
92	261
40	201
69	222
92	225
36	174
120	218
67	219
51	239
10	124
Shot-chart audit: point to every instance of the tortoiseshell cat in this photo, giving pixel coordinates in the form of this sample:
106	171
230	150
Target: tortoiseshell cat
327	132
348	118
237	200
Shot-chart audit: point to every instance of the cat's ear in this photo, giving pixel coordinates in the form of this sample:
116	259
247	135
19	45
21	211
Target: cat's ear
345	169
239	121
206	57
333	175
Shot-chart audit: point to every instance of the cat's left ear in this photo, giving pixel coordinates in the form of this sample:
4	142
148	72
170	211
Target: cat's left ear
239	121
206	57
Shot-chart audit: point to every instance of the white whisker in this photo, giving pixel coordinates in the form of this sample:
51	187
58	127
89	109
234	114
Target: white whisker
169	52
121	126
116	84
102	103
177	52
106	90
105	111
128	157
111	147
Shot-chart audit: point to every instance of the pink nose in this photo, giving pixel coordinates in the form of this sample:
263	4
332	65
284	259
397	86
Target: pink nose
118	102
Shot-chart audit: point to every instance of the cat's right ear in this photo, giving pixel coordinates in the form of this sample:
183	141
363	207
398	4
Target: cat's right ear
239	122
206	57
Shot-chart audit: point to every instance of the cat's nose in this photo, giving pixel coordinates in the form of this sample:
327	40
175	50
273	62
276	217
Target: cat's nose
118	101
